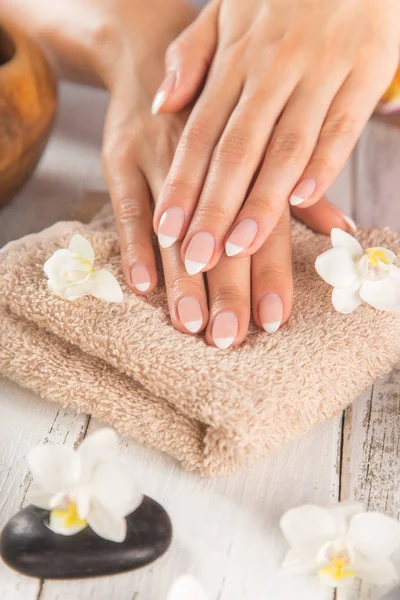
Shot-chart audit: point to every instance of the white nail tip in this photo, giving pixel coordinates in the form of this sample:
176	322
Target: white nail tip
193	326
232	249
142	287
350	222
272	327
296	200
158	102
193	267
166	241
223	343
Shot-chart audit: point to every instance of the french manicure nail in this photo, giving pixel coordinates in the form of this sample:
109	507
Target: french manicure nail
224	330
241	237
163	92
271	312
190	313
170	226
199	252
303	191
350	223
140	277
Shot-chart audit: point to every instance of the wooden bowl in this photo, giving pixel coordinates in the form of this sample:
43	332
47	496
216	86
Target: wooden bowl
28	100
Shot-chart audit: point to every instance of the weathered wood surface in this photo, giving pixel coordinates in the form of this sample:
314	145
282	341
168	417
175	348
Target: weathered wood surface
226	530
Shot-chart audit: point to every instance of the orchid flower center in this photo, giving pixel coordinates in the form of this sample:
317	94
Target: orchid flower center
69	516
338	567
83	265
376	263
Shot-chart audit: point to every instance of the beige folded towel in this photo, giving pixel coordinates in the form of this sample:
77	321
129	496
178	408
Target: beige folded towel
215	411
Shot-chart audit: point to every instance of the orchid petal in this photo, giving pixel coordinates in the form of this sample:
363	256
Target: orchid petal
307	526
105	286
394	271
115	489
54	468
346	301
382	294
102	445
52	266
336	266
379	571
299	562
342	239
80	245
343	512
374	535
105	524
38	497
186	587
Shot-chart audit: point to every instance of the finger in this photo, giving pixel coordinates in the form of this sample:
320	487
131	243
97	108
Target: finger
347	117
323	216
187	296
272	281
229	300
181	190
235	159
286	156
187	61
132	207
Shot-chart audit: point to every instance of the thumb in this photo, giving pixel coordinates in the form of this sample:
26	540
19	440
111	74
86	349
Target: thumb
187	61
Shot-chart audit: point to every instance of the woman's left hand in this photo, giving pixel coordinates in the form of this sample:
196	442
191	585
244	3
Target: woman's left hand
290	85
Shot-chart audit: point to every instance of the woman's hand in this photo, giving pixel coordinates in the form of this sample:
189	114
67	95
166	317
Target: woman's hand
290	85
125	51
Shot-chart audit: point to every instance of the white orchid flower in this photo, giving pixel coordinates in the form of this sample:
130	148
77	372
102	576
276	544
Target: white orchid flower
186	587
84	487
341	543
71	274
358	276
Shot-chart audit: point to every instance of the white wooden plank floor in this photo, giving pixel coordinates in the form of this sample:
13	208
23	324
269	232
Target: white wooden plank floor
226	530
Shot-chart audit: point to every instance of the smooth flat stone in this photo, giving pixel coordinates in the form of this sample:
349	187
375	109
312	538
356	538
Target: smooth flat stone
30	547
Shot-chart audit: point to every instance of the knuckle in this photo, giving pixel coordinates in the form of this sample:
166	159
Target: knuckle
118	150
287	146
277	272
228	296
133	250
325	163
212	213
197	137
340	127
130	210
181	282
177	188
234	148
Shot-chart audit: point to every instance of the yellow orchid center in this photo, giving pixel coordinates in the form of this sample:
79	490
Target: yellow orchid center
69	517
376	256
83	262
338	569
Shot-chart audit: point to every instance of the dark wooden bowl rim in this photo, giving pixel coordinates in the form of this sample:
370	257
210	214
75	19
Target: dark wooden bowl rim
7	47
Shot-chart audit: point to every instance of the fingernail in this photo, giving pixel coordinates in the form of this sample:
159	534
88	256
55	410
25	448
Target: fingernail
350	223
225	328
140	277
271	312
163	92
190	313
303	191
199	252
241	237
170	226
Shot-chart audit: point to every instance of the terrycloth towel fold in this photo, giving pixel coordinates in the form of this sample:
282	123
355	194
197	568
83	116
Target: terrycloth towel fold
215	411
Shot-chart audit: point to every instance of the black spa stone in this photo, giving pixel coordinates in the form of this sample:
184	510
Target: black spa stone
30	547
